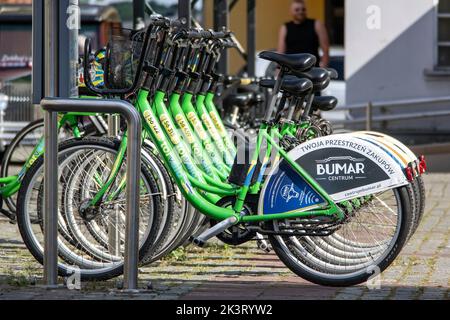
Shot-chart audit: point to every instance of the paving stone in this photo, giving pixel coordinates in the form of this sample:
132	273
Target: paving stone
347	297
407	293
433	294
377	294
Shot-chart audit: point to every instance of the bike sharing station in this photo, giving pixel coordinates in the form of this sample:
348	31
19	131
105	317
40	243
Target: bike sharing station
170	172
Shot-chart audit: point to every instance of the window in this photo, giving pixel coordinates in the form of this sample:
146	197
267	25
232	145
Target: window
444	33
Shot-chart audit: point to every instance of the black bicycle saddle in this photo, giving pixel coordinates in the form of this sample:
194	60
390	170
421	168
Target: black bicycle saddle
295	62
292	85
325	103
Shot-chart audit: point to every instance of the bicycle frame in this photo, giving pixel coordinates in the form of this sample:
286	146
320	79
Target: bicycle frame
241	192
190	179
215	118
209	145
198	181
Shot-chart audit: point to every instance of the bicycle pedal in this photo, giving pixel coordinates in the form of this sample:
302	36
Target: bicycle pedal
262	243
264	246
197	242
213	231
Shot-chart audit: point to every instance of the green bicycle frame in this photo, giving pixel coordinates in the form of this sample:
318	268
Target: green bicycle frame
200	154
215	117
190	186
209	124
204	135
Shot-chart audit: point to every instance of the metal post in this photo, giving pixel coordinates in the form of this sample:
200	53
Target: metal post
138	14
38	51
185	13
133	178
50	200
51	107
369	116
50	44
251	38
221	20
69	22
50	156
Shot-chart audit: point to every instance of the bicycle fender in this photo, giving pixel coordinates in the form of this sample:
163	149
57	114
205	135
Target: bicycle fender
398	147
346	166
416	166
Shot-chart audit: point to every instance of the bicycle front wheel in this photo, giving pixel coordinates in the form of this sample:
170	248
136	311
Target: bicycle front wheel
83	166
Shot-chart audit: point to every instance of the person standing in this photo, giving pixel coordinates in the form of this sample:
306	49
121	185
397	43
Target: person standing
304	35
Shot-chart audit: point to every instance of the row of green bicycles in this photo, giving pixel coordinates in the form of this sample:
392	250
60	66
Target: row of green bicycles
335	208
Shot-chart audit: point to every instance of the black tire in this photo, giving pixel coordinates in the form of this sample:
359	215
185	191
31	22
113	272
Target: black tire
28	236
414	198
196	221
421	194
307	273
416	204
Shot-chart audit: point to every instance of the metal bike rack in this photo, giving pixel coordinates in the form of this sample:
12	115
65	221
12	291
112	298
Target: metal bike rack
52	106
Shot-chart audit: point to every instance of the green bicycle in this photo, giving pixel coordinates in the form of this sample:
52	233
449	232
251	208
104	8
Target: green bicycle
335	208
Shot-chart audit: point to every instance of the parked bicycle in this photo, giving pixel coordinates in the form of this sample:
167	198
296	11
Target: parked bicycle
334	207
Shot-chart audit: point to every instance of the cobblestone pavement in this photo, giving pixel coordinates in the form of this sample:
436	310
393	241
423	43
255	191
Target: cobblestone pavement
220	272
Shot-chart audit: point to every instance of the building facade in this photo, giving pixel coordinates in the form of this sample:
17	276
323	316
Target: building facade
397	49
400	50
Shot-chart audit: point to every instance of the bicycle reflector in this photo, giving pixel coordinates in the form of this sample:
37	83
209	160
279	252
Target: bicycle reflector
422	164
409	173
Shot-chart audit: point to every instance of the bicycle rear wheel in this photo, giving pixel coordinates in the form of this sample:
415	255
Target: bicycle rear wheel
368	241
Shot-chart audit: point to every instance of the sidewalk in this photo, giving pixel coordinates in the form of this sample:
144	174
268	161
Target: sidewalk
220	272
